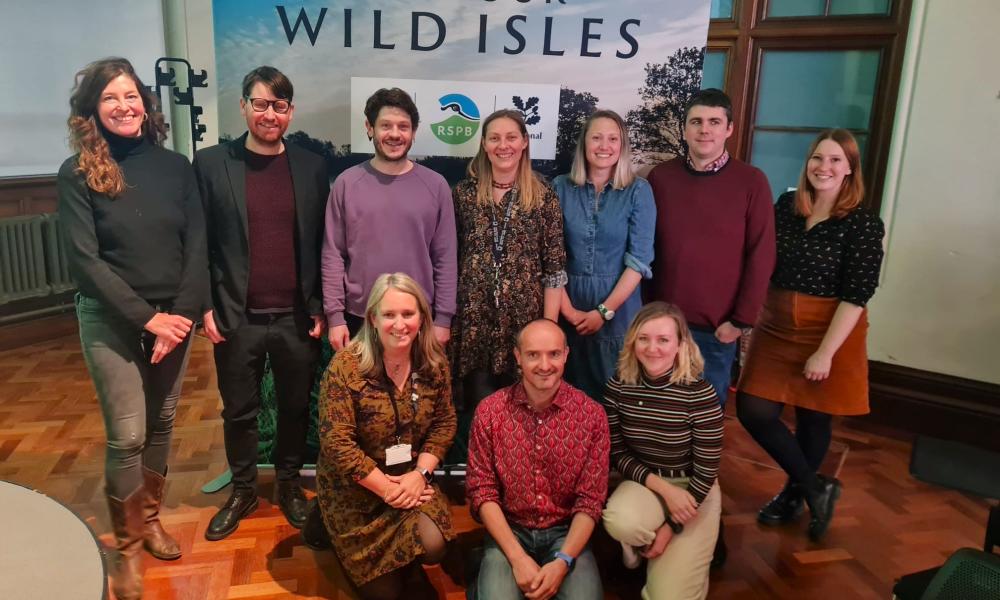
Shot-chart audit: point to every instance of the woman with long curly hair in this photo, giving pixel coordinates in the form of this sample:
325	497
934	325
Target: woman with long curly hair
133	223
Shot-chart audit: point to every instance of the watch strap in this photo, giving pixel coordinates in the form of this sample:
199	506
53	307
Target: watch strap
569	560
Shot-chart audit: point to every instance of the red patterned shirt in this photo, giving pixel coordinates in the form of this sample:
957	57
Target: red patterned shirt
540	467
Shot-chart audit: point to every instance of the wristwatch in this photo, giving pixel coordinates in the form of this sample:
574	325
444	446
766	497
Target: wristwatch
569	560
606	313
428	475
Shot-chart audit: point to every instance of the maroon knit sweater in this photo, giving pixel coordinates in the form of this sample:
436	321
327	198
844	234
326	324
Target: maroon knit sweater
714	242
273	281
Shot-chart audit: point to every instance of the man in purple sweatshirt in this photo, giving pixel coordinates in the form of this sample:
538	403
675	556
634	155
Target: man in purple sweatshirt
386	215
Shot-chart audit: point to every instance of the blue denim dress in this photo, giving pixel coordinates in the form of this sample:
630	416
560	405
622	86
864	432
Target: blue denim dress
603	237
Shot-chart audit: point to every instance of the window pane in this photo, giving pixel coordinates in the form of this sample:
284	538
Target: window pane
817	88
781	154
796	8
714	73
859	7
722	9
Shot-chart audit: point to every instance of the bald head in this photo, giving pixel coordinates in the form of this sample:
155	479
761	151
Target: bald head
543	327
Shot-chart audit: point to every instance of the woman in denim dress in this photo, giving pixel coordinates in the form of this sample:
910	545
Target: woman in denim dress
608	216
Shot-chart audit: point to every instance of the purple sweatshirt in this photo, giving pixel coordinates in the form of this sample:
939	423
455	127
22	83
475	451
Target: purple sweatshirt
378	223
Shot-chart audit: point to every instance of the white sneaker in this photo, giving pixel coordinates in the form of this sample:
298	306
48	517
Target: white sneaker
630	556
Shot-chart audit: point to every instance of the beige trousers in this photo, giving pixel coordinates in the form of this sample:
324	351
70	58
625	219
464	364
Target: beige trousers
681	573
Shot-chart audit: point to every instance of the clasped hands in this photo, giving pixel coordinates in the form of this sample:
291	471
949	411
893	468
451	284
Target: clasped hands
406	491
539	583
170	330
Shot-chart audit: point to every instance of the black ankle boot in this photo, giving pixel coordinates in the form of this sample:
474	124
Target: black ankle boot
787	506
314	532
821	497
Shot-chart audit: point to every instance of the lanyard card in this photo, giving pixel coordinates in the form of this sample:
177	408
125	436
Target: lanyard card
397	454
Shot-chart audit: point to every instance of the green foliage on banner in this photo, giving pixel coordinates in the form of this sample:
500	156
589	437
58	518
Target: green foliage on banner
267	418
656	127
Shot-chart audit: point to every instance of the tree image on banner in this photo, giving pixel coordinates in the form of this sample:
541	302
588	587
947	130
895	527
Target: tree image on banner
574	108
657	126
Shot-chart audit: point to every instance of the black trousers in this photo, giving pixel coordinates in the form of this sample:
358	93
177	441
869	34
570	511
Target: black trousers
240	361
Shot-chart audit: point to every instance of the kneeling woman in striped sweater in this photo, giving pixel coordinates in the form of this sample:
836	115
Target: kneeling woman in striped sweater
666	439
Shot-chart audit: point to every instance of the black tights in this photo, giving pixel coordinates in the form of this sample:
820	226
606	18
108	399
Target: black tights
390	585
801	454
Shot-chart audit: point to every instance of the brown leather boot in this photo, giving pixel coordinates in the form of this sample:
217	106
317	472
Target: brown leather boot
126	518
155	539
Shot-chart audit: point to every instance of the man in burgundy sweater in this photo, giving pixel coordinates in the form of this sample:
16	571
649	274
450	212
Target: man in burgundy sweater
264	200
714	241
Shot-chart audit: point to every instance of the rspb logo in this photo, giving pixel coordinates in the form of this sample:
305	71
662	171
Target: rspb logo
461	126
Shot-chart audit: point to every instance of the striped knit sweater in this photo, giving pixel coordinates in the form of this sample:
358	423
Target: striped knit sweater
659	426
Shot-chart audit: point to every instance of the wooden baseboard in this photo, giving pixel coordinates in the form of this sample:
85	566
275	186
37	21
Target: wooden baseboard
934	404
37	330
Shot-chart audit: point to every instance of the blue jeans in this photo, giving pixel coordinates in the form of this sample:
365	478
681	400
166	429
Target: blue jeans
718	361
496	577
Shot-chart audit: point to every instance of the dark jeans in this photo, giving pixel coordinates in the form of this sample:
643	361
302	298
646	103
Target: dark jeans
719	359
496	576
138	399
240	361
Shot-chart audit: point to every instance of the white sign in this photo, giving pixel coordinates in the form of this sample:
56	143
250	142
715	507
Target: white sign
451	113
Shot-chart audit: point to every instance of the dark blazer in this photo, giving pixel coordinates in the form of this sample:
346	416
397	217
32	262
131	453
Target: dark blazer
221	173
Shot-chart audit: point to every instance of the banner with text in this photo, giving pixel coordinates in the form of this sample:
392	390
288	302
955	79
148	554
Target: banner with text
554	60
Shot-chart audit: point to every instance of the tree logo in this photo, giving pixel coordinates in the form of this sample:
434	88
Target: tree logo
461	126
528	108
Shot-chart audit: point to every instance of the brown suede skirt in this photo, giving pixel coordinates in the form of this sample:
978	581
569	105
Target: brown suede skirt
790	329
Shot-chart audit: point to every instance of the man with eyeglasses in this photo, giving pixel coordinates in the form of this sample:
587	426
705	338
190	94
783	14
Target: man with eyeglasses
264	199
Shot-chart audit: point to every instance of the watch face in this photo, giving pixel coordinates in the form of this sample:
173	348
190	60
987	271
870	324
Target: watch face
609	314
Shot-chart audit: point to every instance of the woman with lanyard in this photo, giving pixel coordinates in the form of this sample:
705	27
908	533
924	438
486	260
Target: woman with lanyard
511	259
386	421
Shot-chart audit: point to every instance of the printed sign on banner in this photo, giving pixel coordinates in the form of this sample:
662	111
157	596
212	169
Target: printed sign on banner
556	61
451	113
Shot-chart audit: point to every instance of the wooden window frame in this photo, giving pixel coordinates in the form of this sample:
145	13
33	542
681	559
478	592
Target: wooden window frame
750	32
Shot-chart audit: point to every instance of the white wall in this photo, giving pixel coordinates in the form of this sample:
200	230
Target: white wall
938	308
43	45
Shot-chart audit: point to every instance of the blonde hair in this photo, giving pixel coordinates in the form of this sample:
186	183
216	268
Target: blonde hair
688	364
852	190
530	188
426	353
623	175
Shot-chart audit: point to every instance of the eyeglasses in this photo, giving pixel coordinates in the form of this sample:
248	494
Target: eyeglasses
260	105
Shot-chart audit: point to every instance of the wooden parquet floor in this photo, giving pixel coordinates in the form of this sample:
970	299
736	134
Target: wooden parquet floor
52	439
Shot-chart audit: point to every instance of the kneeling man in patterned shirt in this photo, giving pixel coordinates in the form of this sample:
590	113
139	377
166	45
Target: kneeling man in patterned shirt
538	477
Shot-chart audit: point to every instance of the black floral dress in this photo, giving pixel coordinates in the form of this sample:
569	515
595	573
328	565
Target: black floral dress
534	258
357	424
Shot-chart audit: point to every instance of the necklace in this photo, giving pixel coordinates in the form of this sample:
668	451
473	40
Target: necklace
394	369
503	186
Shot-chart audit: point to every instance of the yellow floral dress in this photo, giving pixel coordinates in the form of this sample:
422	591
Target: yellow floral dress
357	423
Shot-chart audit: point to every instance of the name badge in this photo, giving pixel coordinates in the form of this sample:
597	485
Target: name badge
397	454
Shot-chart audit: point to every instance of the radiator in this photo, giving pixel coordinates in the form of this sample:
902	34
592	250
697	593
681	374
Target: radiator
22	258
56	265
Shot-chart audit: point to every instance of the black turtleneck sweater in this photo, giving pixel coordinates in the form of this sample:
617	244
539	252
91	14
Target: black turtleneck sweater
144	247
